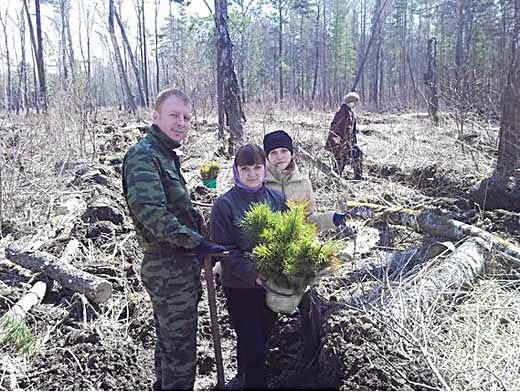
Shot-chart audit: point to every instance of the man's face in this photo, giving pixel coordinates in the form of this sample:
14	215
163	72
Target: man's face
174	118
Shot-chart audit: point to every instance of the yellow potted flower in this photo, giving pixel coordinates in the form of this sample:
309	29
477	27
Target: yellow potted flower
209	172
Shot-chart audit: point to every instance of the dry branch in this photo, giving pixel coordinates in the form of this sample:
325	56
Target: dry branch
95	288
319	164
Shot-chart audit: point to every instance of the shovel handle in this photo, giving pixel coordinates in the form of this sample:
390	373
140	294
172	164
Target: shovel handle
215	332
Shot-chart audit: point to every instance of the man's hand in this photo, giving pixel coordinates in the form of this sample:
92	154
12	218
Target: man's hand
206	248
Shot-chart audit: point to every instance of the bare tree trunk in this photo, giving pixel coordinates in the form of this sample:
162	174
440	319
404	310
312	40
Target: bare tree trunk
145	57
496	192
430	79
232	101
157	69
220	77
39	57
63	44
122	75
324	70
33	47
131	56
316	55
69	38
375	23
8	87
508	163
280	49
23	72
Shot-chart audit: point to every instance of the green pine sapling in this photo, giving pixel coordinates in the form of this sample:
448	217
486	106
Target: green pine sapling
286	249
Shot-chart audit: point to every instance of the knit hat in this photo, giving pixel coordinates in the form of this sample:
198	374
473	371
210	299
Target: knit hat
277	139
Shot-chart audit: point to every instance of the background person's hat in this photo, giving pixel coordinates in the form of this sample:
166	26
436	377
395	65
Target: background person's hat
277	139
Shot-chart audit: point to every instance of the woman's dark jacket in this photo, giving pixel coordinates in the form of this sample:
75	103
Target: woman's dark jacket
228	210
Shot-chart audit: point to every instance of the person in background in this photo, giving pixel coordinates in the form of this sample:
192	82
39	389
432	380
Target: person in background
171	233
252	320
342	138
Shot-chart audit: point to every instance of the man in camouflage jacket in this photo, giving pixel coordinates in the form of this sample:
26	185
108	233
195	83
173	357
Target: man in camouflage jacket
342	138
170	231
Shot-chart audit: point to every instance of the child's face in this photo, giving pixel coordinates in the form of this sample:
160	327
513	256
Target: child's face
251	176
280	157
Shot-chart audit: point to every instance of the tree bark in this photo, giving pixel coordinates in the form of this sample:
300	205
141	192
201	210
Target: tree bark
157	69
280	48
95	288
145	57
497	192
232	100
220	78
316	55
8	87
34	48
63	44
39	57
430	79
508	163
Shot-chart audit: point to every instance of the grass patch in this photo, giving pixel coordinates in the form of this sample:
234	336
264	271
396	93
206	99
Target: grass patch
15	333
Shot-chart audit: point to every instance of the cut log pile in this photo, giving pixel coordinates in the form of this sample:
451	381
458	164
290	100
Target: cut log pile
103	208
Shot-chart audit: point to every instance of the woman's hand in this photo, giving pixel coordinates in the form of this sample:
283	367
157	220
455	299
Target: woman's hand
260	280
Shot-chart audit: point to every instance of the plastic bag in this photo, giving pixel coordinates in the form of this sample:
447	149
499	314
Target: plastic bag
281	299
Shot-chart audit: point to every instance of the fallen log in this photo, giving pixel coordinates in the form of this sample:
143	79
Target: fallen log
446	279
95	288
436	225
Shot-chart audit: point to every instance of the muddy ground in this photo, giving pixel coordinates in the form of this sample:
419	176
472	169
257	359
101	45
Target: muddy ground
83	346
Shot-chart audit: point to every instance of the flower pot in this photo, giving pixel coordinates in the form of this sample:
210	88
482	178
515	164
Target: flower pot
210	183
282	300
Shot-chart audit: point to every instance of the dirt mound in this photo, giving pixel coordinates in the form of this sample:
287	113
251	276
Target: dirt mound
357	354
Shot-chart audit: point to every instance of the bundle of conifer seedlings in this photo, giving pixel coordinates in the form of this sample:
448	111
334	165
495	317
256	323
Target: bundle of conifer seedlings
287	252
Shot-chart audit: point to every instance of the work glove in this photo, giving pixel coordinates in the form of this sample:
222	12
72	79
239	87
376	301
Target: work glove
207	247
339	219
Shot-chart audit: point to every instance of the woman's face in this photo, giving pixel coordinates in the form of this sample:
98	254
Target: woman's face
280	157
251	176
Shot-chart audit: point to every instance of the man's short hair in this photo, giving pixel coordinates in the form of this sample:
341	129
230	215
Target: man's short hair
351	97
167	93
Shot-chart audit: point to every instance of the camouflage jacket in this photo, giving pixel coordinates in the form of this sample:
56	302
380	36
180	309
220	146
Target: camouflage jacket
343	132
157	196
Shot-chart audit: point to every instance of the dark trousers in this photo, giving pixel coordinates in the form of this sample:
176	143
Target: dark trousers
310	316
353	156
253	322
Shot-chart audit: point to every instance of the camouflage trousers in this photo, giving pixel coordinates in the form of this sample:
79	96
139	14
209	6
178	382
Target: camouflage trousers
173	283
